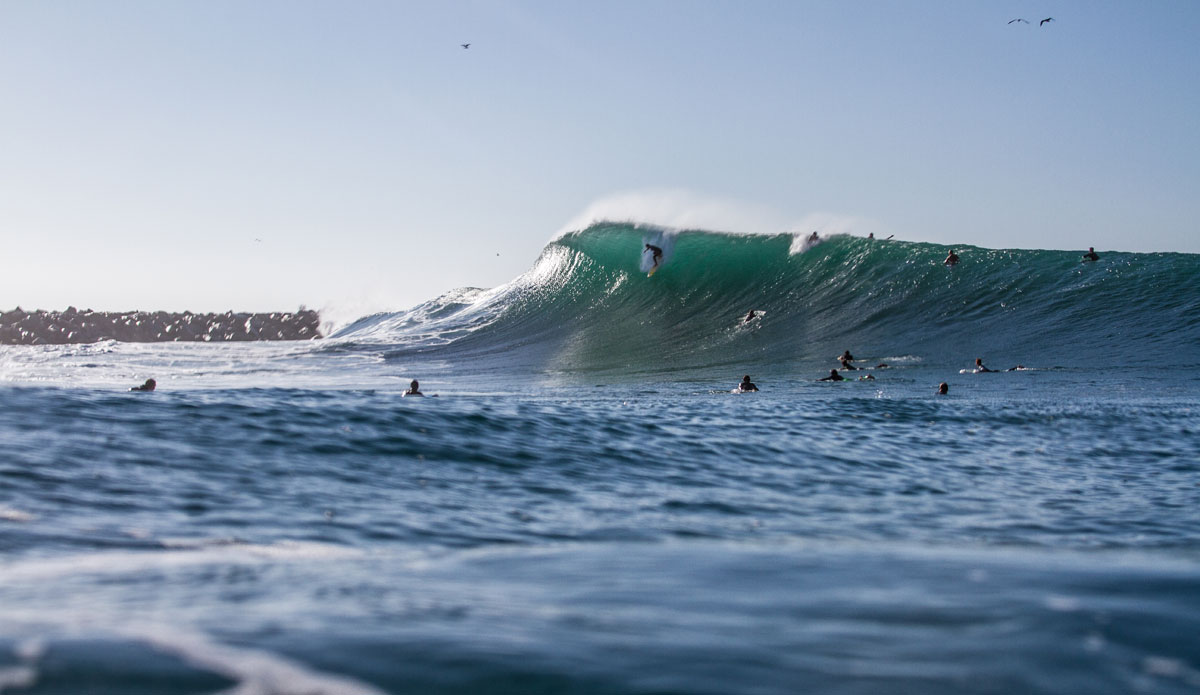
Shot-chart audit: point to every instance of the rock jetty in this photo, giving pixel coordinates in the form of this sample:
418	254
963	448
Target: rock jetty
18	327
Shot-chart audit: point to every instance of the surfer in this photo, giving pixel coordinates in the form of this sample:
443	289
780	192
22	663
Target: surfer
746	386
833	376
655	252
951	258
1091	255
845	357
750	317
414	389
1018	368
866	377
148	386
846	365
813	238
943	388
979	368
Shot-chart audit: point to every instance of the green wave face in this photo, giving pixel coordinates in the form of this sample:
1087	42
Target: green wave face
587	304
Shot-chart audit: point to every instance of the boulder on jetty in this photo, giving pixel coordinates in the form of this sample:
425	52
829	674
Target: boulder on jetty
18	327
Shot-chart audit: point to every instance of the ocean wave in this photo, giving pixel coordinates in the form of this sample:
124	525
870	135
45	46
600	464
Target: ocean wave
587	303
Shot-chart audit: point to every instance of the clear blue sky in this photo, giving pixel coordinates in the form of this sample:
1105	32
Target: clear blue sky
145	146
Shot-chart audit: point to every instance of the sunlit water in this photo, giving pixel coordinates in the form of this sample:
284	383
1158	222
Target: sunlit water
278	519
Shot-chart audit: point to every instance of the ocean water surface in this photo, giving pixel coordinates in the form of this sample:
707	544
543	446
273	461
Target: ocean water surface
585	507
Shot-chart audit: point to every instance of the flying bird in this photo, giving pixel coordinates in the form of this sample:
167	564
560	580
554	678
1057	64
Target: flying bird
1048	19
1018	19
465	45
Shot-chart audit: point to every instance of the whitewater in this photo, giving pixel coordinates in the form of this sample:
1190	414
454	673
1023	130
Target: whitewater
585	507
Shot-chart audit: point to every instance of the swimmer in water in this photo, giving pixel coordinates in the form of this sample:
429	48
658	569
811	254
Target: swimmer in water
656	253
943	388
148	386
1091	255
951	258
833	376
979	368
746	386
414	389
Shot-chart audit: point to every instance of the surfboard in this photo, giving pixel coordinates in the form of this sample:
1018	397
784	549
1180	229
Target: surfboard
653	270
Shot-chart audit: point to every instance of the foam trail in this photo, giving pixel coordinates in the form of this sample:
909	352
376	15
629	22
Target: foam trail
257	672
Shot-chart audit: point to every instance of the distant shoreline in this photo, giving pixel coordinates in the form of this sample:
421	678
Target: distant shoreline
19	327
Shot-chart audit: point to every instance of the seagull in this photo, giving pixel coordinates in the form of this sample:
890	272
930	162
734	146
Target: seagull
1048	19
465	45
1018	19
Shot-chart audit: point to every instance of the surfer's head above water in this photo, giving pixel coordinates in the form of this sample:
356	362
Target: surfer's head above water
943	388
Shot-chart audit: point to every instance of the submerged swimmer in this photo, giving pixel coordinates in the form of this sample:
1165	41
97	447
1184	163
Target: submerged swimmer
148	386
656	253
951	258
833	376
746	386
979	366
414	389
1091	255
